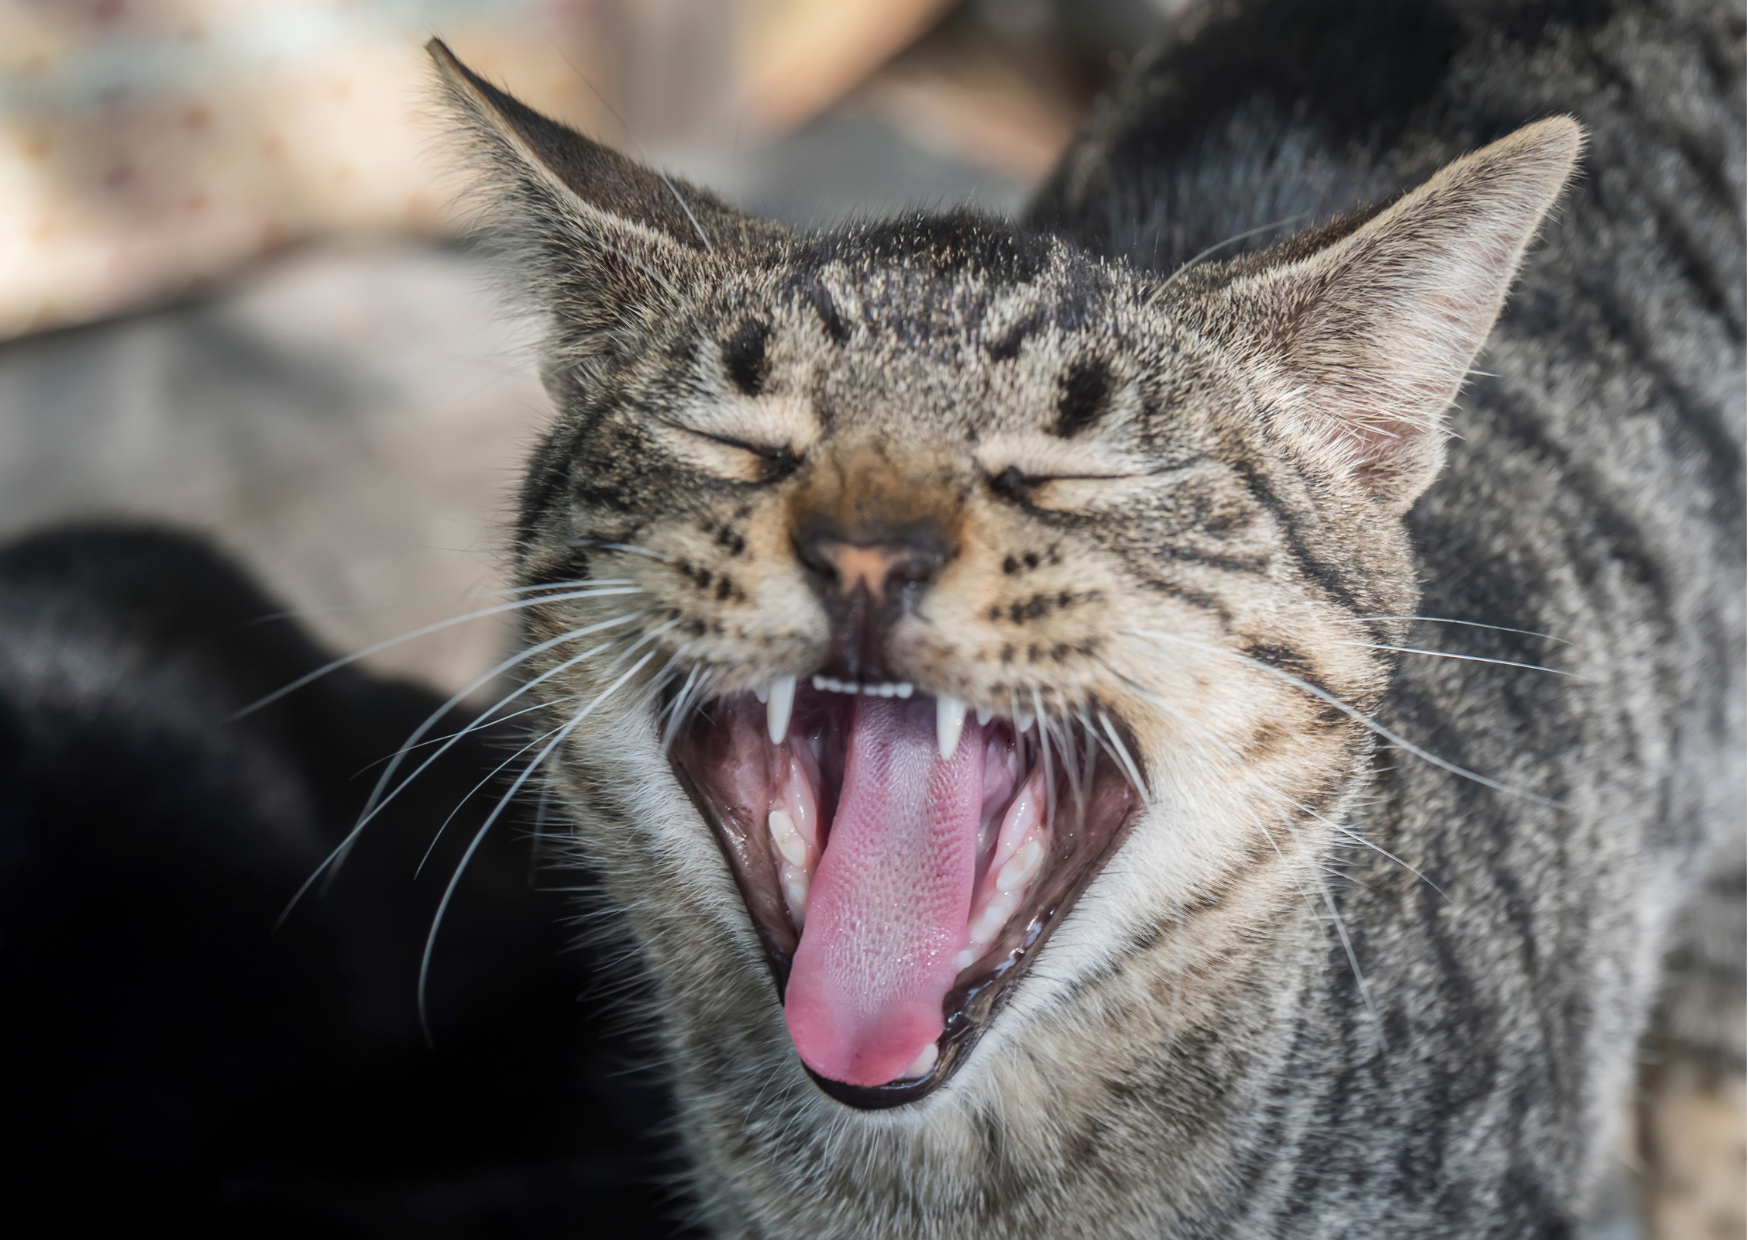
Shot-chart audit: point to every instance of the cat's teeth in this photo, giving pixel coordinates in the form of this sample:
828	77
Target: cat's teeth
892	688
924	1064
796	883
777	707
949	723
994	916
1022	722
964	960
1020	868
984	714
789	841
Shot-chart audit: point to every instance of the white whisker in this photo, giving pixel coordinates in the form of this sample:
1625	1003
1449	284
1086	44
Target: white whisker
480	835
299	613
372	806
1472	624
500	609
1468	658
1357	716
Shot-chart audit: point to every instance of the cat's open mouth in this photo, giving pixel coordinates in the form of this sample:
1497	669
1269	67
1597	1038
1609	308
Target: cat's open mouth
902	860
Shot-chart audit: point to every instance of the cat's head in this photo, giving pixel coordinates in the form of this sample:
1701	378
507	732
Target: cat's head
927	599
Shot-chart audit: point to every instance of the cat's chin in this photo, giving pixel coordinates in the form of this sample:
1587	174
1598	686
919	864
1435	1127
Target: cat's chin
902	860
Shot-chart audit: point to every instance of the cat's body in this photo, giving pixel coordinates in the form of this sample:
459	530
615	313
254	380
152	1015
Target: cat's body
1322	988
1320	938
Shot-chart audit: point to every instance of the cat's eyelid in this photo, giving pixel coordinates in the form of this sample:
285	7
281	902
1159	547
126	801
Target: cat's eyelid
770	451
770	426
1041	458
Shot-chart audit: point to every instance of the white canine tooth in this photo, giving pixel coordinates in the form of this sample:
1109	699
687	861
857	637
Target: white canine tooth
789	841
984	714
905	689
964	960
763	693
777	708
924	1064
1020	868
949	723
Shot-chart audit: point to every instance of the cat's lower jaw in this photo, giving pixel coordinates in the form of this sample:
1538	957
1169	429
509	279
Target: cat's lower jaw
901	859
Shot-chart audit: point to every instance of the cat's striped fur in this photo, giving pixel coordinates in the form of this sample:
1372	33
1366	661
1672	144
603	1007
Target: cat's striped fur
1374	958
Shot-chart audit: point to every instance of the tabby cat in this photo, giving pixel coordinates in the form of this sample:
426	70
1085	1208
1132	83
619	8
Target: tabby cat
1108	725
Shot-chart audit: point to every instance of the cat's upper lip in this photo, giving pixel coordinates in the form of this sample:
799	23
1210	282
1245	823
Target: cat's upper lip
902	859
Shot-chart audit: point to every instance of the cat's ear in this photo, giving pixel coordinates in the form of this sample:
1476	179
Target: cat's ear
573	201
1361	346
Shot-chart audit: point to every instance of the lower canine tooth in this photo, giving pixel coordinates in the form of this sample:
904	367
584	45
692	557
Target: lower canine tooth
949	723
924	1064
777	708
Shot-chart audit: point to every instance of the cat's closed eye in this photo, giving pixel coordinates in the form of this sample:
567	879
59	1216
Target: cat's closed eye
753	460
1042	474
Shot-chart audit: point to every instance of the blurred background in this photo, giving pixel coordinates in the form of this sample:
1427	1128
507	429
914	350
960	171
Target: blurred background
234	293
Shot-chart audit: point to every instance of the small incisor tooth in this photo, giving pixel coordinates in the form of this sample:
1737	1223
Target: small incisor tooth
777	708
796	883
949	723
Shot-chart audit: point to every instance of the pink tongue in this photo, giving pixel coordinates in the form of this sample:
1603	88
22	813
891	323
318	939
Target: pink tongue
887	911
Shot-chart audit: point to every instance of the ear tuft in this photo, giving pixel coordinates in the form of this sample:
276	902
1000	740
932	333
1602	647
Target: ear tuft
1361	346
596	177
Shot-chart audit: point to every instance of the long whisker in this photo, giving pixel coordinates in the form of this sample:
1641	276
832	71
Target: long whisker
1468	658
501	608
1472	624
653	633
1267	788
1357	716
298	613
486	718
1121	752
480	835
372	806
490	775
484	678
